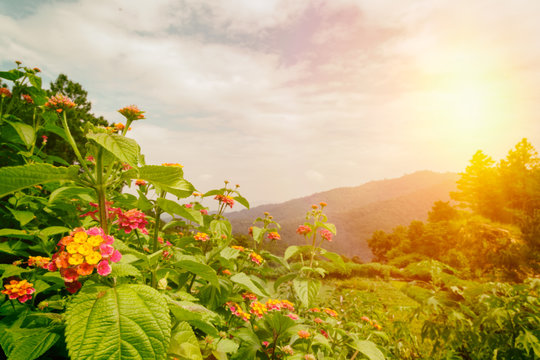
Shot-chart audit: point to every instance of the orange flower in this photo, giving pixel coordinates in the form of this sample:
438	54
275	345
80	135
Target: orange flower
40	261
131	113
273	236
226	272
256	258
201	236
4	92
304	334
59	103
21	290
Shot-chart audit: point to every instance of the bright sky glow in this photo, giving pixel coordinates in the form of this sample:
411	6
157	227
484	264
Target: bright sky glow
287	98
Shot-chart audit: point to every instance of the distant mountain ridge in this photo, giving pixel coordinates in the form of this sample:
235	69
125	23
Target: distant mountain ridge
358	211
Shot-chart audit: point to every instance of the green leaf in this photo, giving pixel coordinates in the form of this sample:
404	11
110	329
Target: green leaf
241	200
125	149
55	129
28	344
202	270
220	227
124	270
330	227
25	132
11	74
167	178
126	322
172	207
67	193
293	250
368	348
13	178
306	290
244	281
258	234
23	217
284	278
184	344
53	230
335	258
229	253
35	80
213	192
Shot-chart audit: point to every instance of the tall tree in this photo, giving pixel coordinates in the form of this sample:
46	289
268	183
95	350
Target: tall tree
478	188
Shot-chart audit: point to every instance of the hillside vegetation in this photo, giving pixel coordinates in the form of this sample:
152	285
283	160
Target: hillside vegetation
358	211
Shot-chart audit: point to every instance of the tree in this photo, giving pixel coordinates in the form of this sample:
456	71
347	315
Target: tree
478	188
77	117
442	211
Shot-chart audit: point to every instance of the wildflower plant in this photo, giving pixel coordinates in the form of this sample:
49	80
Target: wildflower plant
93	272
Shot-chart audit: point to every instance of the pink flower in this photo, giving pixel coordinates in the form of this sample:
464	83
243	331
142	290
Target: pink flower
227	200
104	268
116	256
106	250
265	343
204	211
59	103
95	231
303	230
201	236
326	234
132	219
45	138
273	236
188	206
293	316
132	112
318	320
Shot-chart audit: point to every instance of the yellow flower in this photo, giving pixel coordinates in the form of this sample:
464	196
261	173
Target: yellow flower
75	259
80	237
72	248
93	258
85	249
95	240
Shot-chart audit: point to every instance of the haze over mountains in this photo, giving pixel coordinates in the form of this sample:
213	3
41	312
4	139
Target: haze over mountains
358	211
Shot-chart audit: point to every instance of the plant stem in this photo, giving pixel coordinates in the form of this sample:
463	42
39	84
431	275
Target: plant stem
73	145
101	193
156	233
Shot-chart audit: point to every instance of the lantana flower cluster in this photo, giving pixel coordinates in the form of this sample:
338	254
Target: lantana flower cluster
81	252
59	103
259	309
21	290
4	92
131	220
39	261
132	112
226	199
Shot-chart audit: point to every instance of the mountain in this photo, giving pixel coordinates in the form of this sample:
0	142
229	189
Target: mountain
357	211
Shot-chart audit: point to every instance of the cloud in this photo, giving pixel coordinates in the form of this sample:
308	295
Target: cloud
263	93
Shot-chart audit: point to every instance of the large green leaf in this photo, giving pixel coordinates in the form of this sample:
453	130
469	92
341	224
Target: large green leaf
184	344
173	207
66	193
368	348
27	344
335	258
294	249
306	290
13	178
25	132
202	270
242	200
23	217
221	227
11	74
167	178
126	322
125	149
244	281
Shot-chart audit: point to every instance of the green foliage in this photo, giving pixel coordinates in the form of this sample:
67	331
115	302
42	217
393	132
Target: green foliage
125	322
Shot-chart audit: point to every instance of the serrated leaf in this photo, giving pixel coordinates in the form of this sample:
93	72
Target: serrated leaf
184	344
167	178
229	253
25	132
221	227
244	281
306	290
13	178
11	74
368	348
125	149
28	344
173	207
126	322
124	270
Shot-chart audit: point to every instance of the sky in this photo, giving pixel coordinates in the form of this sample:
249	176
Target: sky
288	98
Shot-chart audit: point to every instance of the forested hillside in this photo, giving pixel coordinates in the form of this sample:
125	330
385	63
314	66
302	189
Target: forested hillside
358	211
